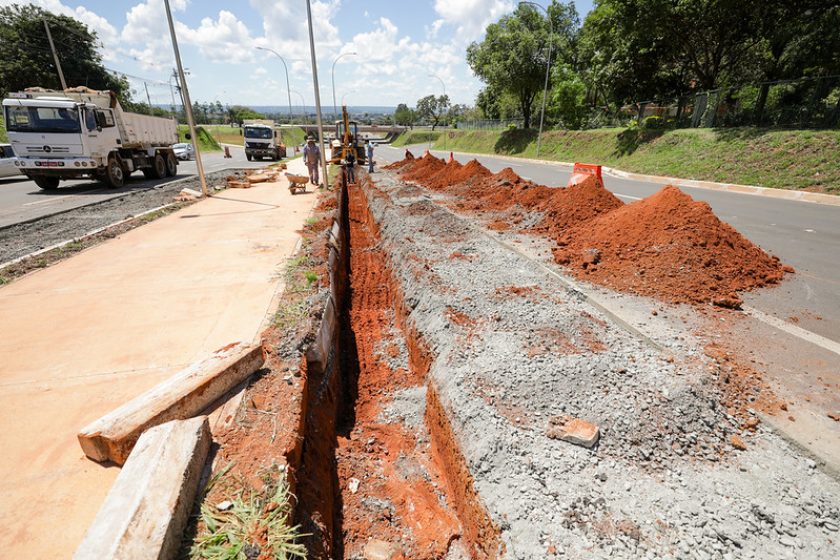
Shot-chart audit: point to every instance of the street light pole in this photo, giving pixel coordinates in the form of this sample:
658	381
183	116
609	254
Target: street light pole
187	104
317	93
433	75
335	108
286	69
55	55
547	70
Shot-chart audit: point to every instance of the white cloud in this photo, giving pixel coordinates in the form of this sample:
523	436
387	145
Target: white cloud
225	39
471	17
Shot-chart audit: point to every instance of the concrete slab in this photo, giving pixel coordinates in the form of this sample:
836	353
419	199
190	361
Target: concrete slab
91	333
149	505
182	396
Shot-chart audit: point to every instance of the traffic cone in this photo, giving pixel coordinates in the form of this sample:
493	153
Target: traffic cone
451	157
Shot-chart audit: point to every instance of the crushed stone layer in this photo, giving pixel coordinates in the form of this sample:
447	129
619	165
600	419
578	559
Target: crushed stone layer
674	474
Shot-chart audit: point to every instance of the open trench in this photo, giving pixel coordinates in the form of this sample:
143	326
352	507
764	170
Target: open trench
381	475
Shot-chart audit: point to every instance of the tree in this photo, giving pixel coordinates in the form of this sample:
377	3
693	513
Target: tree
432	108
567	97
27	59
403	115
512	57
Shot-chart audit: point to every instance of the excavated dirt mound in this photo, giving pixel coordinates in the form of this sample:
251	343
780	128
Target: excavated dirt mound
565	208
409	158
457	174
668	246
423	168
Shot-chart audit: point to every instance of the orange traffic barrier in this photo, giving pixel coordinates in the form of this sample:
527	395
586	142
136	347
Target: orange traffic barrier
583	170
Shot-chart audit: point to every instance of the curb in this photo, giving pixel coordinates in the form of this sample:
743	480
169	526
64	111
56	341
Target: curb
781	194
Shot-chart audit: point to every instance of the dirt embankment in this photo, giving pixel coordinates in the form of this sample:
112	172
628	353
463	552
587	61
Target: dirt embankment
667	246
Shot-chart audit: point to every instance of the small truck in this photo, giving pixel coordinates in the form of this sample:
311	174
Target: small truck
262	140
83	133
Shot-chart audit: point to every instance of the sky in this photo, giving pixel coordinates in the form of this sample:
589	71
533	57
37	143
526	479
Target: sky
405	49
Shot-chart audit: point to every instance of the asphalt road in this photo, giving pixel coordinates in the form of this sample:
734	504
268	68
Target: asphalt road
22	200
802	234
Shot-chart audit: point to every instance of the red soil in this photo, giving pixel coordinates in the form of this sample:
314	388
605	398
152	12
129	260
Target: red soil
409	157
399	497
422	168
454	174
668	246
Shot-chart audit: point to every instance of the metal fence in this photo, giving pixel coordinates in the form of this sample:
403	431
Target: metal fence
489	124
802	103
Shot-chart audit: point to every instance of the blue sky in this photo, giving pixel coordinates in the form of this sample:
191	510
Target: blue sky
400	44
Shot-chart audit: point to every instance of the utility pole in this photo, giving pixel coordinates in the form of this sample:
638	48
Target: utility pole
148	97
55	55
317	94
187	104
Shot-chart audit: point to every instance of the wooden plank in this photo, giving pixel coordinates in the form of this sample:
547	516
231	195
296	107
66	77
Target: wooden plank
185	394
147	509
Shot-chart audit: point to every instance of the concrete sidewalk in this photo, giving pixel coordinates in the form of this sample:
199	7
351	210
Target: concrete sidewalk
88	334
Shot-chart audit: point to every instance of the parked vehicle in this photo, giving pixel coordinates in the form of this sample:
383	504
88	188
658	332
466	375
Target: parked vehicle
262	140
80	132
7	162
184	151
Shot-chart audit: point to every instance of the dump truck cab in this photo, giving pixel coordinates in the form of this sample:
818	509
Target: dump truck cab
262	140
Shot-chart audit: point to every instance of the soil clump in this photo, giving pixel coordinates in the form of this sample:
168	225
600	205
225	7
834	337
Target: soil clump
671	247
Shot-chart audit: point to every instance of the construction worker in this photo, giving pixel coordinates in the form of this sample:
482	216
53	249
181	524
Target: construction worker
349	162
369	153
312	158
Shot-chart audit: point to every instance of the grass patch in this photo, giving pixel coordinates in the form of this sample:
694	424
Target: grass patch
784	159
416	137
257	524
206	142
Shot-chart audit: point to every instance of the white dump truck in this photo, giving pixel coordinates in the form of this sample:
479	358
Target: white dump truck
262	140
80	132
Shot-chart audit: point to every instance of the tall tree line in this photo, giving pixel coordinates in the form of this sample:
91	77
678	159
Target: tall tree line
628	51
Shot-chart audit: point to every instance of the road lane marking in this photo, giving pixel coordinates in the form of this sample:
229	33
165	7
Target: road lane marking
628	196
798	332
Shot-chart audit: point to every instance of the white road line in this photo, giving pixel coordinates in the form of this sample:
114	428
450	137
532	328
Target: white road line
628	196
798	332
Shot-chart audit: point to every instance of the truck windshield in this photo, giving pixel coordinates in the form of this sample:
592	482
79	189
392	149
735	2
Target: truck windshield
263	133
42	119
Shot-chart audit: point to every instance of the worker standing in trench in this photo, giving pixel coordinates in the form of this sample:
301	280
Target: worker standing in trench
312	158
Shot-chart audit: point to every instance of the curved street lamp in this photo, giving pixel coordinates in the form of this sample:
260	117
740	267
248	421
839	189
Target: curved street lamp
547	69
286	69
335	108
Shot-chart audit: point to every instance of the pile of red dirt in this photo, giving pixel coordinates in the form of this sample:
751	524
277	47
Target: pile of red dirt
495	192
409	158
668	246
423	168
457	174
568	207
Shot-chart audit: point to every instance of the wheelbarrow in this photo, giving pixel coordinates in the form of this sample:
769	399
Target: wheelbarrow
297	183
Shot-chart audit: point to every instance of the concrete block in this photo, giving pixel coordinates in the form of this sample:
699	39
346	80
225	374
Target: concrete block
147	509
573	430
184	395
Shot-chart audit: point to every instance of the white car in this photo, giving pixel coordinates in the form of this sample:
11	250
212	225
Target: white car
7	162
184	151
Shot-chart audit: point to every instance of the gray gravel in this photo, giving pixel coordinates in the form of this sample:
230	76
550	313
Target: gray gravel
663	482
21	239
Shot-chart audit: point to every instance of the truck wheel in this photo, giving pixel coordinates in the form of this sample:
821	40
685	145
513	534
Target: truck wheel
171	164
159	166
248	156
47	183
114	176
